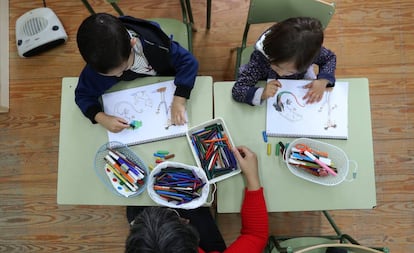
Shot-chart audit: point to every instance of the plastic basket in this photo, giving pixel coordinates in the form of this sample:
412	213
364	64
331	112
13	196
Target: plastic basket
100	168
338	157
197	202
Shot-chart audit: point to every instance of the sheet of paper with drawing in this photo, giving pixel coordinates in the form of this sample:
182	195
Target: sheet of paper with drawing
147	109
288	115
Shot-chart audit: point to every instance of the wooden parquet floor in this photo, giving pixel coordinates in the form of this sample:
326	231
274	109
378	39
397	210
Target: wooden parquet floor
373	39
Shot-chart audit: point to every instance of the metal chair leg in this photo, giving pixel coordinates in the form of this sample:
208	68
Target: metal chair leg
88	6
208	13
332	222
116	8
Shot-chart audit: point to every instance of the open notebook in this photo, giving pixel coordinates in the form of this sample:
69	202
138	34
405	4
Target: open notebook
148	108
288	115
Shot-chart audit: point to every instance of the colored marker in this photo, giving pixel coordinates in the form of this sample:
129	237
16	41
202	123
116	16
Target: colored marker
132	187
282	147
133	164
118	168
269	149
316	160
159	155
213	148
135	124
169	156
264	136
126	166
163	152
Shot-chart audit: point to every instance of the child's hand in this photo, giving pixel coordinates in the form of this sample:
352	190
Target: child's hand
316	90
112	123
178	111
270	89
249	166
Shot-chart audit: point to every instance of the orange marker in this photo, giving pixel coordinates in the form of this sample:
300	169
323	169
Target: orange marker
116	166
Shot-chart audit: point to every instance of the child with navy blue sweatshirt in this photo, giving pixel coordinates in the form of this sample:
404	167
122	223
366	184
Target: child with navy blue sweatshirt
123	49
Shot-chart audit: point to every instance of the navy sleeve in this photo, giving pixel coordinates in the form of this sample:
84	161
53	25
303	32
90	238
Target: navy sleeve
327	64
91	86
256	69
186	67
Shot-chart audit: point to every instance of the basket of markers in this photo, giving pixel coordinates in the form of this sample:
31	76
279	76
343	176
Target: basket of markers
317	161
178	185
120	169
211	145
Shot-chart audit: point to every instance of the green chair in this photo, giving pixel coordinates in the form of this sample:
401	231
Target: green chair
181	30
273	11
320	243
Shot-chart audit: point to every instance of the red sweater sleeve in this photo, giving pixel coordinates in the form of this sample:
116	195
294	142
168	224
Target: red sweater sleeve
255	224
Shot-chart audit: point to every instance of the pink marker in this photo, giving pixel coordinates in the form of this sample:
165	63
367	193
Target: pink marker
316	160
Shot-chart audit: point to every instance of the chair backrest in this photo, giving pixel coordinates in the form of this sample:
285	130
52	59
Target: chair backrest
176	29
181	30
266	11
352	248
274	11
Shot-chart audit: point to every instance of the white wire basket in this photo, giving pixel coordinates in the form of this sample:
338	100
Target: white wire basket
197	202
337	156
104	176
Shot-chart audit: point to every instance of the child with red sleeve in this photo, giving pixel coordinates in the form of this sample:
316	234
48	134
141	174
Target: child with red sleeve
159	229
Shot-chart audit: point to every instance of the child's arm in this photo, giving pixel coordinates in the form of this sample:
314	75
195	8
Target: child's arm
271	88
91	86
327	65
186	67
178	110
258	68
325	78
111	123
316	90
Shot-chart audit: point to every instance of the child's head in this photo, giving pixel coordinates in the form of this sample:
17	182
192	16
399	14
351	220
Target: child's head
294	43
160	229
104	42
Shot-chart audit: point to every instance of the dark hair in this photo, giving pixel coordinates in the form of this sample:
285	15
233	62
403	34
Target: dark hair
295	39
161	230
103	42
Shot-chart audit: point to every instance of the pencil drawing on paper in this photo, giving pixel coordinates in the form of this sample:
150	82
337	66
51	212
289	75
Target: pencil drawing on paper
290	108
147	109
288	114
286	106
142	103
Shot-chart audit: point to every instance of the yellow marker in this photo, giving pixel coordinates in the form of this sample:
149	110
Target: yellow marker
269	149
130	186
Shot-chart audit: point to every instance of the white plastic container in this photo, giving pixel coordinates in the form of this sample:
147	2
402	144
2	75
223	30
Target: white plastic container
108	178
197	202
200	127
337	156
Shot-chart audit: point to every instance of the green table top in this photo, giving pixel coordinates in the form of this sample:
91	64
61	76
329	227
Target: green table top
283	190
79	141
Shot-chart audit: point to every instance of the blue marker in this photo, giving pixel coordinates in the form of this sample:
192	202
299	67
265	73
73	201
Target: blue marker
264	136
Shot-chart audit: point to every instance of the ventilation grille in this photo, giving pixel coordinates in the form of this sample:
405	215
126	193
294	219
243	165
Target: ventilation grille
34	26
